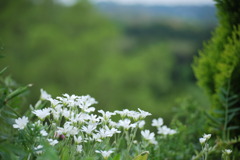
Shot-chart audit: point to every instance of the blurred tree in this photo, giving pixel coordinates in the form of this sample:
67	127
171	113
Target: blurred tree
77	50
57	47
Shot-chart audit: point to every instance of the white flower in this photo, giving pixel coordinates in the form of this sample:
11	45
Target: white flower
106	132
112	123
202	140
105	154
45	95
78	139
157	122
38	149
123	113
93	118
135	115
68	129
84	102
106	115
166	131
42	114
89	129
68	100
97	137
43	133
21	123
82	117
143	114
150	137
56	113
227	151
79	148
141	124
52	142
126	124
66	113
54	102
207	136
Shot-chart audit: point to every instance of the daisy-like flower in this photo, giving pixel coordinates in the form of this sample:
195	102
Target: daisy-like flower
82	117
157	122
143	114
166	131
68	100
78	139
141	124
150	137
79	148
89	129
66	113
44	95
123	113
38	149
202	140
105	154
106	132
67	130
126	124
52	142
42	113
207	136
55	102
84	102
97	137
93	118
106	115
43	133
112	123
227	151
21	123
134	115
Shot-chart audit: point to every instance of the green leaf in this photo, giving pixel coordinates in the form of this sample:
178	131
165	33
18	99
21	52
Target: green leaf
230	117
213	119
117	157
232	102
219	111
142	156
233	127
3	70
49	153
233	110
17	92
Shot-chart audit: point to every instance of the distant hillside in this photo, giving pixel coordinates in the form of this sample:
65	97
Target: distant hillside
204	14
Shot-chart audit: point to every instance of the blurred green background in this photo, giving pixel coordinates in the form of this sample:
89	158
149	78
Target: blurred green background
124	56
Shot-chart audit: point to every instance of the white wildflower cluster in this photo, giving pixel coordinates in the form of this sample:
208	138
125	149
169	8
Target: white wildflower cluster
205	137
162	129
73	120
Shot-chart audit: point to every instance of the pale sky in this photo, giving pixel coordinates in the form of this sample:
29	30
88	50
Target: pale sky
150	2
161	2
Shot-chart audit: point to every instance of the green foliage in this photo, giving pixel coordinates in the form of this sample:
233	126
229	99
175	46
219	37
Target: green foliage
11	98
142	156
218	67
190	122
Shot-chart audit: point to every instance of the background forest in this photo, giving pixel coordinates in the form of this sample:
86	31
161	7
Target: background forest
124	56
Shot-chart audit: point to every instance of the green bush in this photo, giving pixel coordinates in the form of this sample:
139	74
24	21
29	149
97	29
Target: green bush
218	69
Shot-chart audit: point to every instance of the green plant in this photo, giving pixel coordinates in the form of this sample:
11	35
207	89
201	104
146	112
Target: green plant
11	99
218	69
